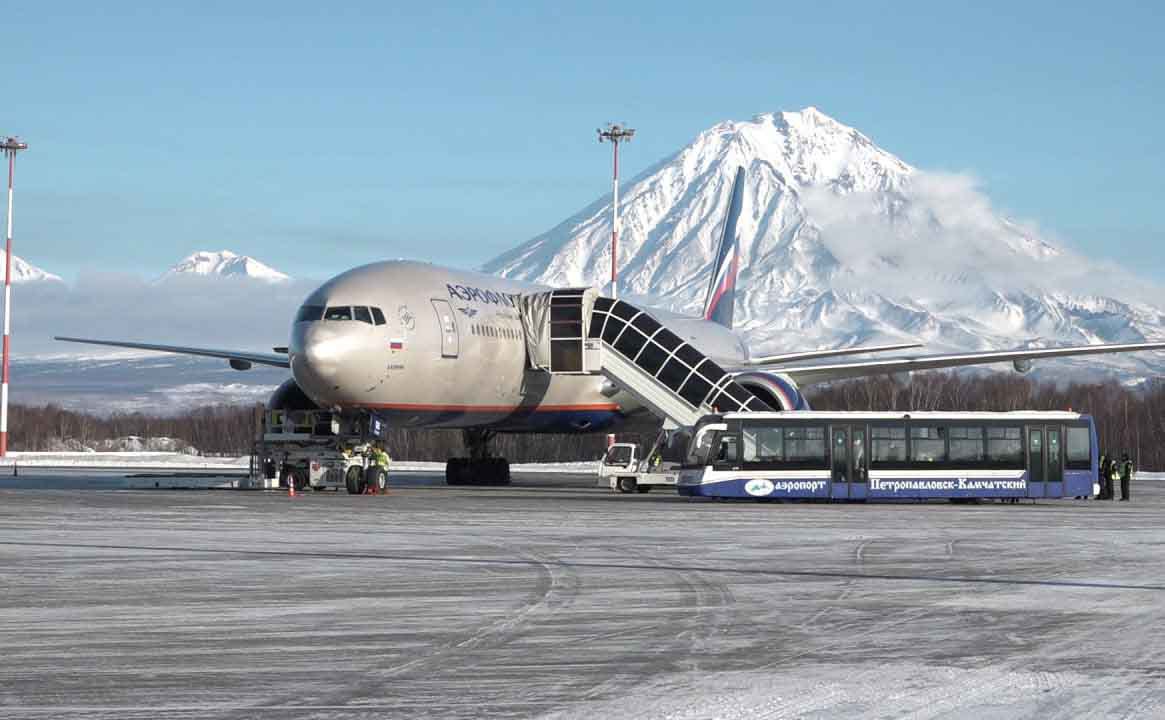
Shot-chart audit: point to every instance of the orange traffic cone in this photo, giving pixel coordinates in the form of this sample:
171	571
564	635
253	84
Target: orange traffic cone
290	486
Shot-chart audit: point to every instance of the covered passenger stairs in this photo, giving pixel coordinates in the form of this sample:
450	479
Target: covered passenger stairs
578	332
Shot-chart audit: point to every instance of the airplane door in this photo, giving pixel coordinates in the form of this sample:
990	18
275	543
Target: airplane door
449	340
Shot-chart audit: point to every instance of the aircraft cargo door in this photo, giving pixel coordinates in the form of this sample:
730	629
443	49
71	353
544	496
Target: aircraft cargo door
449	342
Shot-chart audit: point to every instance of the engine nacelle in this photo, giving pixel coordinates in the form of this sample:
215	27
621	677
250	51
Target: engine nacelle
289	396
778	391
1022	366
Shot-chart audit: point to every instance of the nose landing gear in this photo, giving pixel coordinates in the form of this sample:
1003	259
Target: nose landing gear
480	468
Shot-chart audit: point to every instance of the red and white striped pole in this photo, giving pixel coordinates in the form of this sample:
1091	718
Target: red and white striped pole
10	146
615	134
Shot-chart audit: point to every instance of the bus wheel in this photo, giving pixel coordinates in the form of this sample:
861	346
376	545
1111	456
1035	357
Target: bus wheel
354	480
627	485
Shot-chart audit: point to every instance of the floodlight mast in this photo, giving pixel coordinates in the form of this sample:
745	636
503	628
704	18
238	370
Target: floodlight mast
615	134
10	146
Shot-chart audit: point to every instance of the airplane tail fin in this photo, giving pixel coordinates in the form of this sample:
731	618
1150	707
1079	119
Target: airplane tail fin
721	298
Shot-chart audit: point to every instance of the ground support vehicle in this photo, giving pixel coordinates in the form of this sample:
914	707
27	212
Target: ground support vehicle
625	470
316	449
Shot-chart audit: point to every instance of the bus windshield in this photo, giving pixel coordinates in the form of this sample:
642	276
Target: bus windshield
704	445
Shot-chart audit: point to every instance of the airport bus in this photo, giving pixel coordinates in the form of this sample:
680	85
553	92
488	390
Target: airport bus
891	455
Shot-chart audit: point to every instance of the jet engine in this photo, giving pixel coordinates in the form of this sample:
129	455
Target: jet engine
778	391
1022	367
289	396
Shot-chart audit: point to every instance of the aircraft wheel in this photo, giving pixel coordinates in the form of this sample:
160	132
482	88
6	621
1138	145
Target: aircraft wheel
455	471
354	480
627	485
499	471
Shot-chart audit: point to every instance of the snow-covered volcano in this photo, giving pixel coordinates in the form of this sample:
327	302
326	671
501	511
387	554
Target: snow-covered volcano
25	272
843	243
224	263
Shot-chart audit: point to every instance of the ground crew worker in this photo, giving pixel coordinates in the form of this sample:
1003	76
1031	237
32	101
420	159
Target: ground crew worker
1103	477
1126	472
656	460
381	458
1114	469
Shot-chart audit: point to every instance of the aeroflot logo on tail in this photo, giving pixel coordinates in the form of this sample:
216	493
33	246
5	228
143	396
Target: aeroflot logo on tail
491	297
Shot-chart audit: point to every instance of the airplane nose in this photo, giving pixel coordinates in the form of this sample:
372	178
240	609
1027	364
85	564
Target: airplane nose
316	361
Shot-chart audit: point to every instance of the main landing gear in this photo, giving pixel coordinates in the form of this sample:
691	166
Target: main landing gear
479	468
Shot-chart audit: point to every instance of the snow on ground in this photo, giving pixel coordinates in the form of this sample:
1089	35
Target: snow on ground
181	461
561	601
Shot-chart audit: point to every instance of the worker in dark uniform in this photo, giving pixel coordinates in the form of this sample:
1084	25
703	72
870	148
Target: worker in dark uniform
1103	478
1126	472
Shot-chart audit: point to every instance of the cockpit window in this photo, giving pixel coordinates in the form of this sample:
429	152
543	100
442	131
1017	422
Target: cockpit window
338	313
378	316
308	313
361	313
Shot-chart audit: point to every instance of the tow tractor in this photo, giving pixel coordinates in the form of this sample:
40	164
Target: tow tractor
318	449
626	470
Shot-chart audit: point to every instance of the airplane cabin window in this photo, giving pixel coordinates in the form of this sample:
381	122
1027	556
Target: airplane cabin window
361	313
378	317
308	313
338	313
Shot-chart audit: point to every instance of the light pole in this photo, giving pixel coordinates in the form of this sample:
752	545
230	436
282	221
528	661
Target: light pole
10	146
615	134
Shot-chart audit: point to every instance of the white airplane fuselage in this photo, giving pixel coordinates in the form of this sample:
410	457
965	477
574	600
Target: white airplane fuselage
451	353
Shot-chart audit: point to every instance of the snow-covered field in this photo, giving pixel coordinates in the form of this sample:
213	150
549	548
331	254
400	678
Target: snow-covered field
553	600
181	461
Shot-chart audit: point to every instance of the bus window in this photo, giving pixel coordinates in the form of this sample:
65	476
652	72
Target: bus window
727	454
887	444
1005	446
966	444
805	444
927	445
763	444
1035	452
859	452
1078	447
1055	468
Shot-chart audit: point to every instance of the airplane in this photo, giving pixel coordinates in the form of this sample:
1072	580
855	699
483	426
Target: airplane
423	346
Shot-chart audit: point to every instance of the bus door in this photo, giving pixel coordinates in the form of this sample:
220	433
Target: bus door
849	468
1055	454
1035	462
859	463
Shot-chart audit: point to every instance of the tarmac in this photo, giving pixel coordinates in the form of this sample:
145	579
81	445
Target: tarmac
557	599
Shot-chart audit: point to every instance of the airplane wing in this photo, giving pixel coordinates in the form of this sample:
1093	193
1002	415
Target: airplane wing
809	374
240	360
817	354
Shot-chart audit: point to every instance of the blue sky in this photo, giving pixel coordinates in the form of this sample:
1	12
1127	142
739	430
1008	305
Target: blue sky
316	136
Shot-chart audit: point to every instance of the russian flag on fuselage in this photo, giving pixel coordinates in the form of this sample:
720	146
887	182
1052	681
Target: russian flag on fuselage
721	299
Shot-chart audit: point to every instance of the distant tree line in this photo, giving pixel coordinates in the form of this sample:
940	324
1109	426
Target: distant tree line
1127	418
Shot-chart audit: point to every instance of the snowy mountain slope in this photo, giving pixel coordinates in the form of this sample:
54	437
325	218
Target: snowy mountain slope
843	244
224	263
25	272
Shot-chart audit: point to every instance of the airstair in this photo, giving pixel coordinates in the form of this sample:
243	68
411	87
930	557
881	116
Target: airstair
576	331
